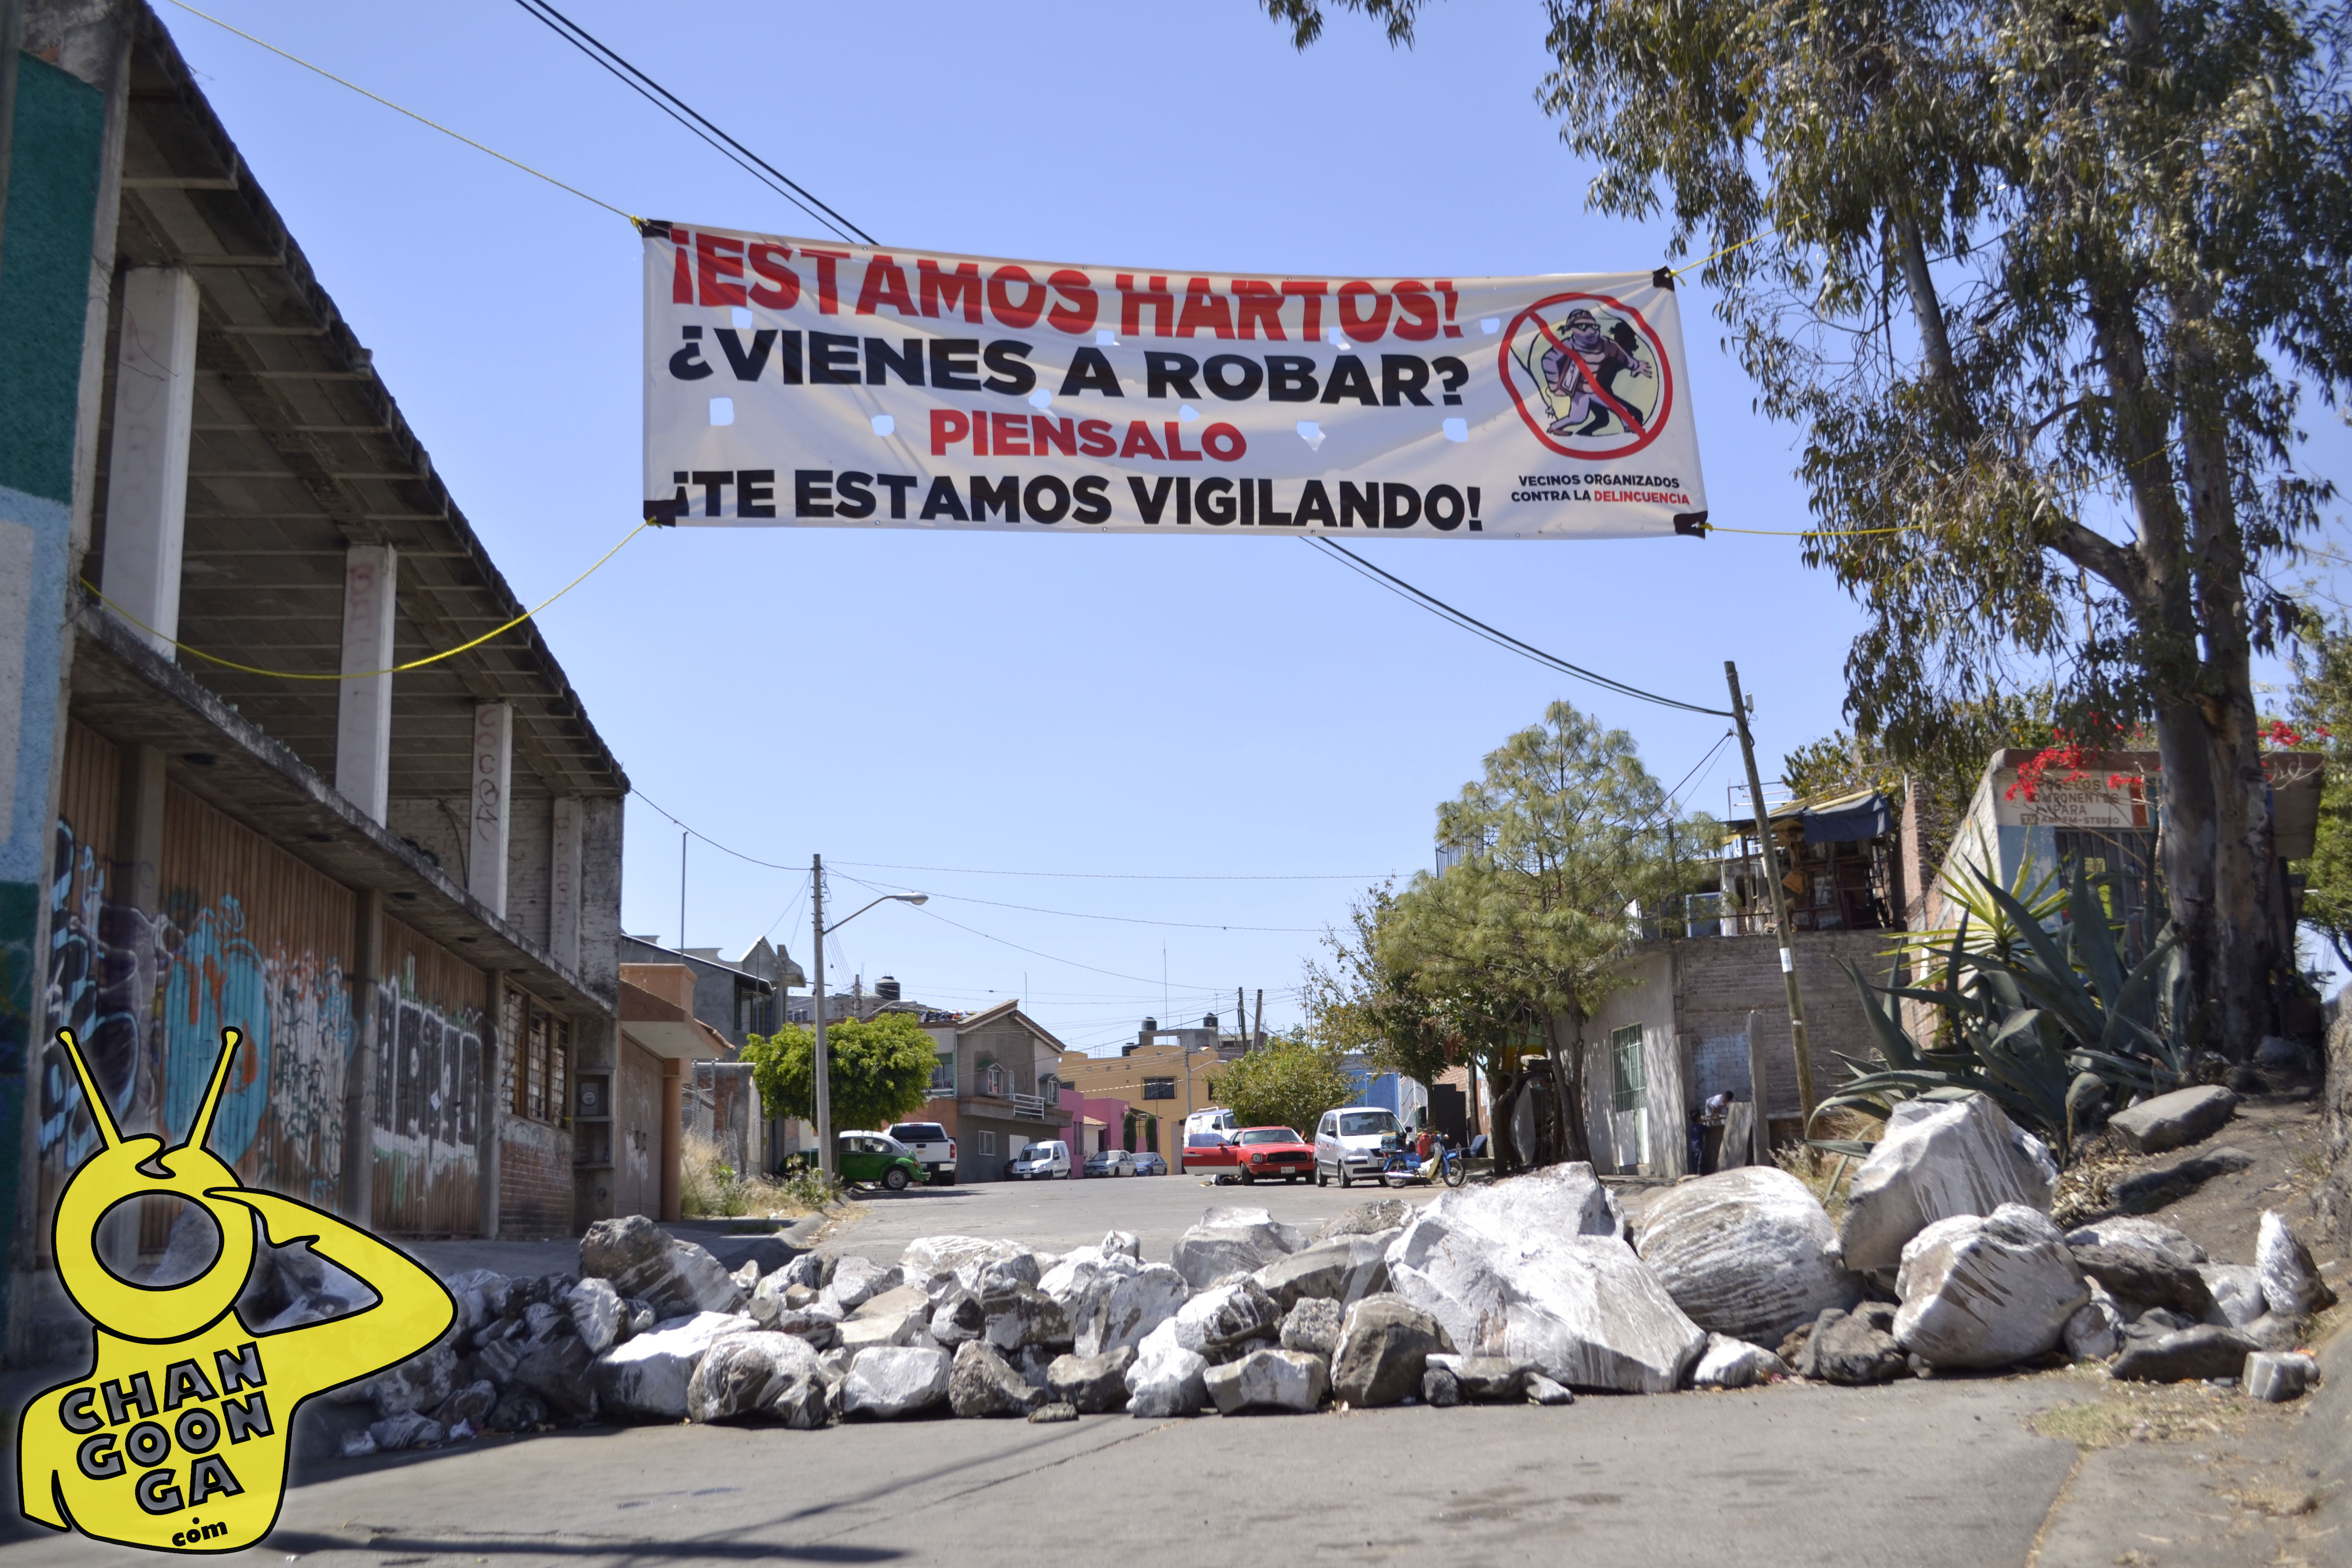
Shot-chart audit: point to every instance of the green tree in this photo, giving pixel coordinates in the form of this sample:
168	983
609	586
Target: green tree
879	1069
2044	284
2323	712
1517	944
1290	1081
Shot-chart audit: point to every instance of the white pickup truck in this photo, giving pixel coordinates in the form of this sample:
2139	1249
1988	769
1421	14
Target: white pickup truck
929	1142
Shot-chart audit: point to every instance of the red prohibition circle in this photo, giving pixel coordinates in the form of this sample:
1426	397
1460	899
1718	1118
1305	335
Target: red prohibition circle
1505	362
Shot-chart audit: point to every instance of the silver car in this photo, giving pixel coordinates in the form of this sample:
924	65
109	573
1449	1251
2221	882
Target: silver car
1347	1143
1110	1163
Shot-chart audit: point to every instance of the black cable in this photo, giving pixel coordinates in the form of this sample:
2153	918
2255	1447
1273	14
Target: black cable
1081	915
678	108
681	825
1504	639
1118	876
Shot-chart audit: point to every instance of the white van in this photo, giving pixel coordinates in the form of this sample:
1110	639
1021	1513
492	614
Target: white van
1347	1143
1041	1160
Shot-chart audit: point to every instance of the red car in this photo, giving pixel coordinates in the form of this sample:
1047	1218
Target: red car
1265	1152
1208	1151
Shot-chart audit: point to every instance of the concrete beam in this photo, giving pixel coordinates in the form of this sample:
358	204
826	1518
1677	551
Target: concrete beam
147	473
565	821
489	810
364	716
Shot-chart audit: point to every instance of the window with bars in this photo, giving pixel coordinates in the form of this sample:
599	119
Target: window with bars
542	1042
1627	1086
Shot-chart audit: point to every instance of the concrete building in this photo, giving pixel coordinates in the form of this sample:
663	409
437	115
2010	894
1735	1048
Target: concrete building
1159	1083
733	998
999	1085
403	886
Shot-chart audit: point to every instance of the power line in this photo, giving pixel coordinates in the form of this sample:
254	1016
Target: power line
678	108
1469	622
1081	915
396	109
1126	876
681	823
1050	957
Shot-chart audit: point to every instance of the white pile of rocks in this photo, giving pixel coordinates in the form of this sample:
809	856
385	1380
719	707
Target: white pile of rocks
1522	1290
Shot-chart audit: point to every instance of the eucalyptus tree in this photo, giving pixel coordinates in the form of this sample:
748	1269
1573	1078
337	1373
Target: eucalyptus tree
2046	285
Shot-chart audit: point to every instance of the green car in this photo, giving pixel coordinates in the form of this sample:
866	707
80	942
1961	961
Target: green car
874	1159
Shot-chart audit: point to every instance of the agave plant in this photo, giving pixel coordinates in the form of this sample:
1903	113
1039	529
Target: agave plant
2050	1025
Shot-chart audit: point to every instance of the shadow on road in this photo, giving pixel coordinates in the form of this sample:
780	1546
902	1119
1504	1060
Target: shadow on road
406	1548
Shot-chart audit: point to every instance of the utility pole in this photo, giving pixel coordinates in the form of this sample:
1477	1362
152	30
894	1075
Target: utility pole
1258	1034
1241	1019
820	1088
681	890
1771	852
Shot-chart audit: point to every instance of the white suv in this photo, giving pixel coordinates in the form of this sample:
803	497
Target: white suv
1347	1143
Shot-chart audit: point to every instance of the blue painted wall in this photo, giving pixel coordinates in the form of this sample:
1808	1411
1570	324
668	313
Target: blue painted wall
57	140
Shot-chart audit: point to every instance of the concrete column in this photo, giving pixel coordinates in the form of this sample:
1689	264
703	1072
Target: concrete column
147	475
492	1120
364	719
490	812
673	1149
565	819
359	1087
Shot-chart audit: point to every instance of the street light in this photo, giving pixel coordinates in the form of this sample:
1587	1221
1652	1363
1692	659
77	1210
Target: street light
821	1091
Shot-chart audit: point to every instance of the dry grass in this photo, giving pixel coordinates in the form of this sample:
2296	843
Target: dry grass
1826	1175
708	1189
2144	1413
2086	1187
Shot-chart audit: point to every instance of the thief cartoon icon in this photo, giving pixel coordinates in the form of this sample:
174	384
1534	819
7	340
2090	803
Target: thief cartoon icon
176	1438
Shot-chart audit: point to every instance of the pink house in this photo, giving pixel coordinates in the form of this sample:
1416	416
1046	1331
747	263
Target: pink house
1094	1125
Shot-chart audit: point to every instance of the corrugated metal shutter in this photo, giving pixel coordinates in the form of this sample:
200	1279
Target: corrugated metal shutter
252	937
429	1088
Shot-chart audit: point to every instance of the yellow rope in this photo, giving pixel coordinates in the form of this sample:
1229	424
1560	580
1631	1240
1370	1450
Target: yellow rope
364	674
411	114
1814	532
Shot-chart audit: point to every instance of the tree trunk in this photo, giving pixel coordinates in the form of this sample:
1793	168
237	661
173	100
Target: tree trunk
1500	1143
1567	1089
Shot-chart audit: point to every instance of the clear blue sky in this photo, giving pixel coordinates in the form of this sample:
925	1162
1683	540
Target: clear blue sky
1207	707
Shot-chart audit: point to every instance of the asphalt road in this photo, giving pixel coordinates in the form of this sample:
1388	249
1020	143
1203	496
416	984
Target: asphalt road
1056	1216
1927	1475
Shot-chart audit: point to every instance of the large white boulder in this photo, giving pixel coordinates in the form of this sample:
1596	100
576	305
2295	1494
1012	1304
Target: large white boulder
1227	1315
1987	1290
1166	1379
1128	1308
2141	1235
1268	1380
895	1381
928	1257
1344	1268
1748	1253
1939	1159
1531	1269
2291	1281
741	1374
647	1263
648	1376
1735	1363
1233	1240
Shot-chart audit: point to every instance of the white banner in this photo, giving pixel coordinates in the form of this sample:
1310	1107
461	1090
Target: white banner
829	384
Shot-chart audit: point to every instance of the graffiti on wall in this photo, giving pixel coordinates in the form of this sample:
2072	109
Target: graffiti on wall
149	998
428	1102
